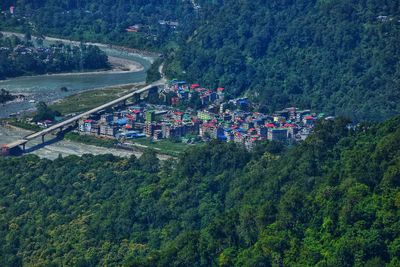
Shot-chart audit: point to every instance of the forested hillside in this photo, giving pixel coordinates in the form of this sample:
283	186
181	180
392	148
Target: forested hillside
340	57
102	21
27	56
333	200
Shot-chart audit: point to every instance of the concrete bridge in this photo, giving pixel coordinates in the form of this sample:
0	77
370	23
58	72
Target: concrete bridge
5	149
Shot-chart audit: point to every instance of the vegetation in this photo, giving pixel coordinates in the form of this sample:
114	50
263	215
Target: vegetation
338	57
90	99
5	96
167	147
20	57
104	21
153	73
91	140
43	112
24	125
333	200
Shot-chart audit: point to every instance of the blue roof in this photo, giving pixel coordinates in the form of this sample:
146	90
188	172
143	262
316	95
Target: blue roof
122	121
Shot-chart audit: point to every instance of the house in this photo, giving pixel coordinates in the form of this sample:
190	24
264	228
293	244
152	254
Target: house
85	126
277	134
262	131
308	120
106	118
149	128
108	130
133	28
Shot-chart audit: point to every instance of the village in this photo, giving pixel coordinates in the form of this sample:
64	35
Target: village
229	121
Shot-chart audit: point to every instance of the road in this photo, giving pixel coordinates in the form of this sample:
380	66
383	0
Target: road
76	118
94	110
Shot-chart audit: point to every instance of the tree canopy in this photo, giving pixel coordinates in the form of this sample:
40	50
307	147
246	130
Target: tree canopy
332	200
339	57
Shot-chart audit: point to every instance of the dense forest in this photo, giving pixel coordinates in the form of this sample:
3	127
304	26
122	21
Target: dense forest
102	21
27	56
333	200
339	57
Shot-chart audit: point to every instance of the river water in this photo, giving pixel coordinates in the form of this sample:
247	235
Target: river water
47	88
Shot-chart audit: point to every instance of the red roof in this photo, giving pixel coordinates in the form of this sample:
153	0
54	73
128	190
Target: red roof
88	121
220	89
178	113
270	125
193	86
309	117
128	126
289	125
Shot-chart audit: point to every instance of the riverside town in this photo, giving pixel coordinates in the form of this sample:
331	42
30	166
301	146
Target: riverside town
207	116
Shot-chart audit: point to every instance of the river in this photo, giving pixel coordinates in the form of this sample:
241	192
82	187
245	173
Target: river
47	87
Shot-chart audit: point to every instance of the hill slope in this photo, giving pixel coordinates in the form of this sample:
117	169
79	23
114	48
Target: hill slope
341	57
333	200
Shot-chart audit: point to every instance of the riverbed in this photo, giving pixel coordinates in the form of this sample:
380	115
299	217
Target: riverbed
61	147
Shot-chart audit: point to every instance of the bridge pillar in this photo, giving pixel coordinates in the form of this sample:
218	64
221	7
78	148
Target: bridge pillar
24	148
42	139
136	98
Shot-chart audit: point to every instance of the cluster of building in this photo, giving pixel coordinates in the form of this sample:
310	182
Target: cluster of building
215	121
181	91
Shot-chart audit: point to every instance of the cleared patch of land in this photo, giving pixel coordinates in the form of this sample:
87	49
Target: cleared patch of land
166	146
90	99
